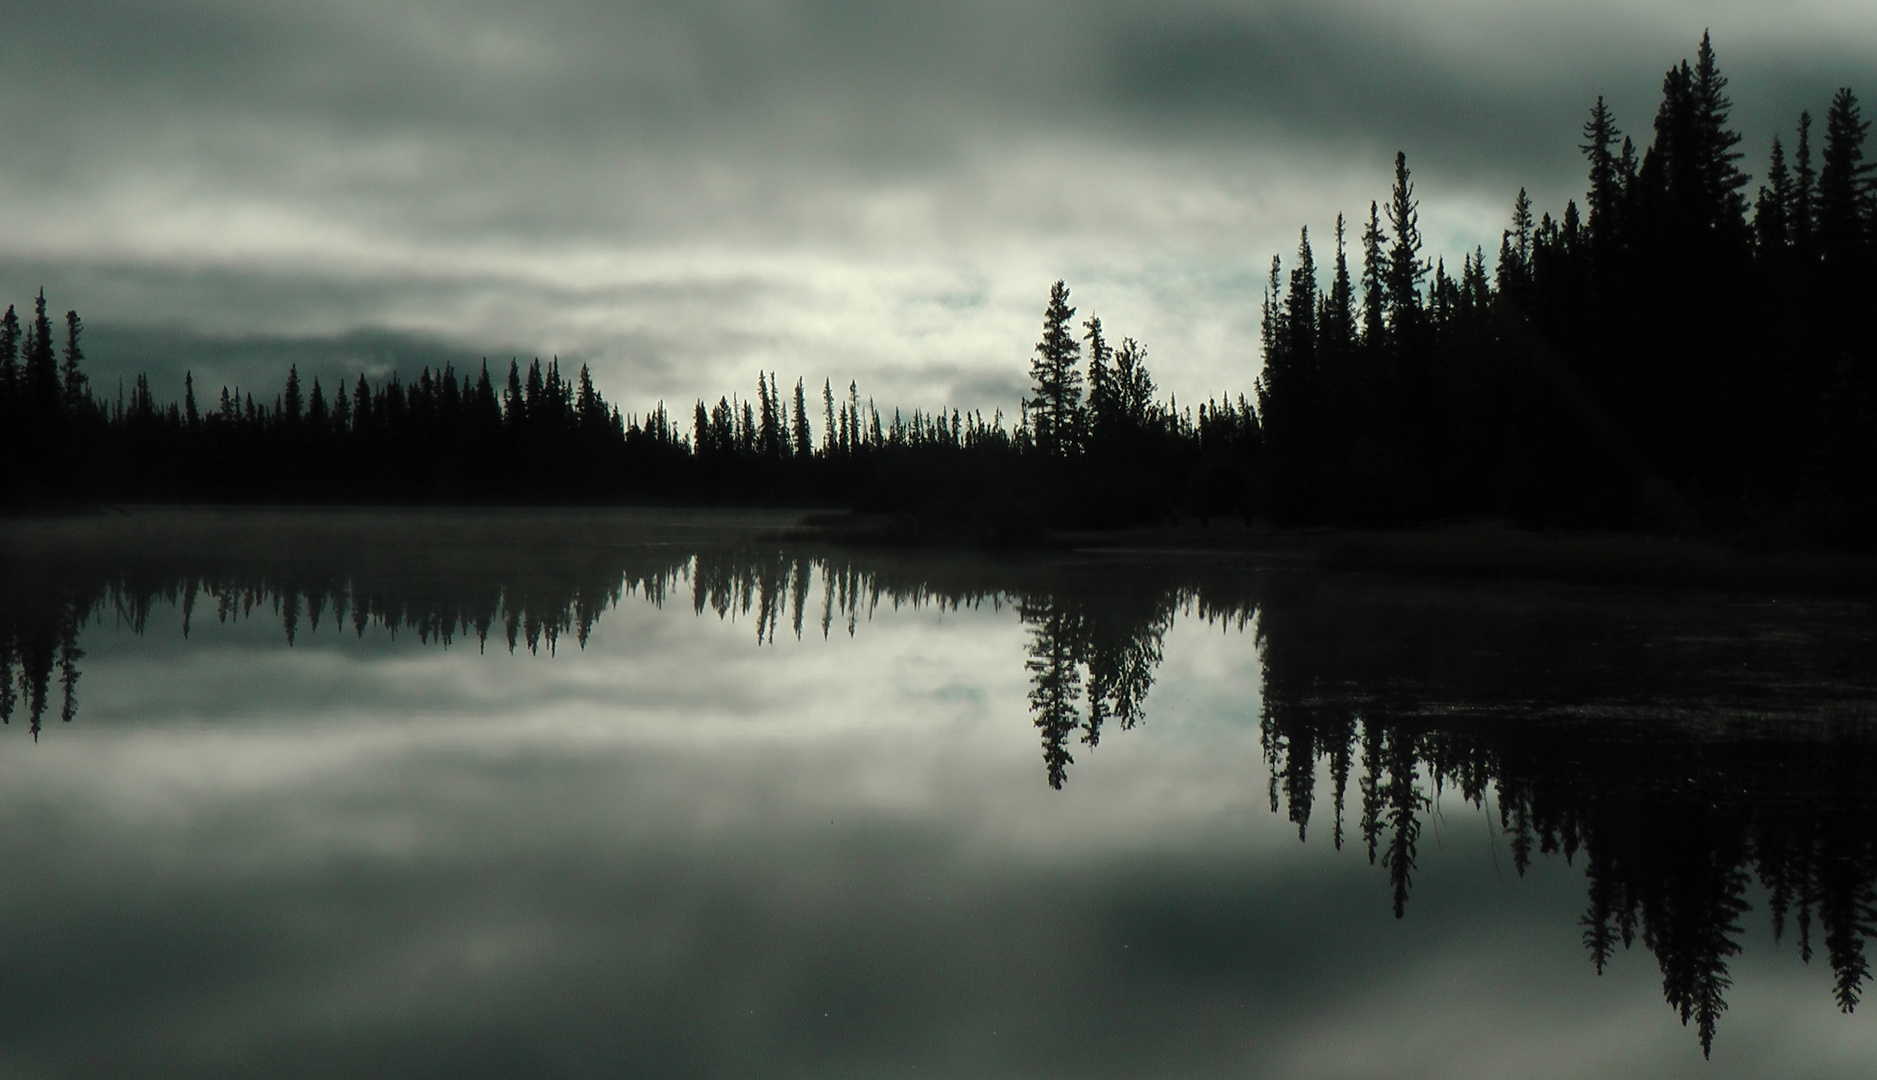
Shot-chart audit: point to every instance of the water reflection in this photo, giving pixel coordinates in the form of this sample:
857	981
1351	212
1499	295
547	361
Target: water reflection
1681	747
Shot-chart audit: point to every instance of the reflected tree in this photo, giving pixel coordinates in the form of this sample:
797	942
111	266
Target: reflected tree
1682	752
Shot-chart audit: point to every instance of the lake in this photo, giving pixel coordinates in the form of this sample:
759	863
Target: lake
500	794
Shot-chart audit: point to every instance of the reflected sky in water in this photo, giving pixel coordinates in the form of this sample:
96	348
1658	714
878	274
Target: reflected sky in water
696	845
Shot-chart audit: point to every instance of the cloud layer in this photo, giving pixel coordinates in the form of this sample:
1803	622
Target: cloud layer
682	194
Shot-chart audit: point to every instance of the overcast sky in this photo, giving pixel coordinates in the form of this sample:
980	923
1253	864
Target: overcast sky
684	192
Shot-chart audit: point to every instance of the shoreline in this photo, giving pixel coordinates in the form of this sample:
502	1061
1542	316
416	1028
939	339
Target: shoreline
1478	550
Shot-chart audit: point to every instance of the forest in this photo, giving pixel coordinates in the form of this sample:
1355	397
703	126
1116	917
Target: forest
1677	354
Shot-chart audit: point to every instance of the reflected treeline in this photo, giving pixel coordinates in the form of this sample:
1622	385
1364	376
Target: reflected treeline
1091	662
517	580
486	587
1685	749
1680	748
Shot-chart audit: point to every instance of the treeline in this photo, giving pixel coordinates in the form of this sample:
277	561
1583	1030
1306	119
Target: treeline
543	437
1669	355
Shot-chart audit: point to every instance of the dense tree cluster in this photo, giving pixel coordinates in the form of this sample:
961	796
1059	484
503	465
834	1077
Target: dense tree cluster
443	438
1667	356
542	437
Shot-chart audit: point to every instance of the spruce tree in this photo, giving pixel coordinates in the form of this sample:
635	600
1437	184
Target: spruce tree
804	438
316	412
10	376
1135	387
514	404
1772	232
1843	181
295	405
1800	214
71	373
1514	272
1056	384
768	438
702	440
1300	311
1606	187
1102	396
831	436
42	372
1374	294
342	406
1336	327
1715	158
1405	270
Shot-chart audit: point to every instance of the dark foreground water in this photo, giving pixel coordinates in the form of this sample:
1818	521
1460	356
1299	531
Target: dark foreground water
644	795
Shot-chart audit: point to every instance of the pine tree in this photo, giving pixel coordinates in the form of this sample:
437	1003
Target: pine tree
71	375
1135	387
1606	181
11	380
1720	178
342	408
1336	326
1374	295
1692	184
703	441
1514	273
1405	270
514	404
294	404
1057	385
316	414
768	441
1800	215
1103	402
190	416
832	438
804	438
595	419
1843	181
1300	312
42	373
1772	232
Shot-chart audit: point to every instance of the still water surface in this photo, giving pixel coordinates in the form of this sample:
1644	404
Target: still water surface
571	795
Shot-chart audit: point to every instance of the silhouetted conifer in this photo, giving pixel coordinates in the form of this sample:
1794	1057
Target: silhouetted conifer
1843	185
1056	384
1801	213
71	374
1772	232
293	404
1606	181
804	438
1374	288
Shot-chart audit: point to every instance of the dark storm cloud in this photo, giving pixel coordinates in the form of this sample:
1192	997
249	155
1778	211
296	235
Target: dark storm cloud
1504	102
687	192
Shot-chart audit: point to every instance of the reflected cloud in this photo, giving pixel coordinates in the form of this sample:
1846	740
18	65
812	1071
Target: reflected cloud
456	689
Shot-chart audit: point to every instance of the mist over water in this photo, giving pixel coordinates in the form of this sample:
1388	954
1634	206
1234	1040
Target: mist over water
463	794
